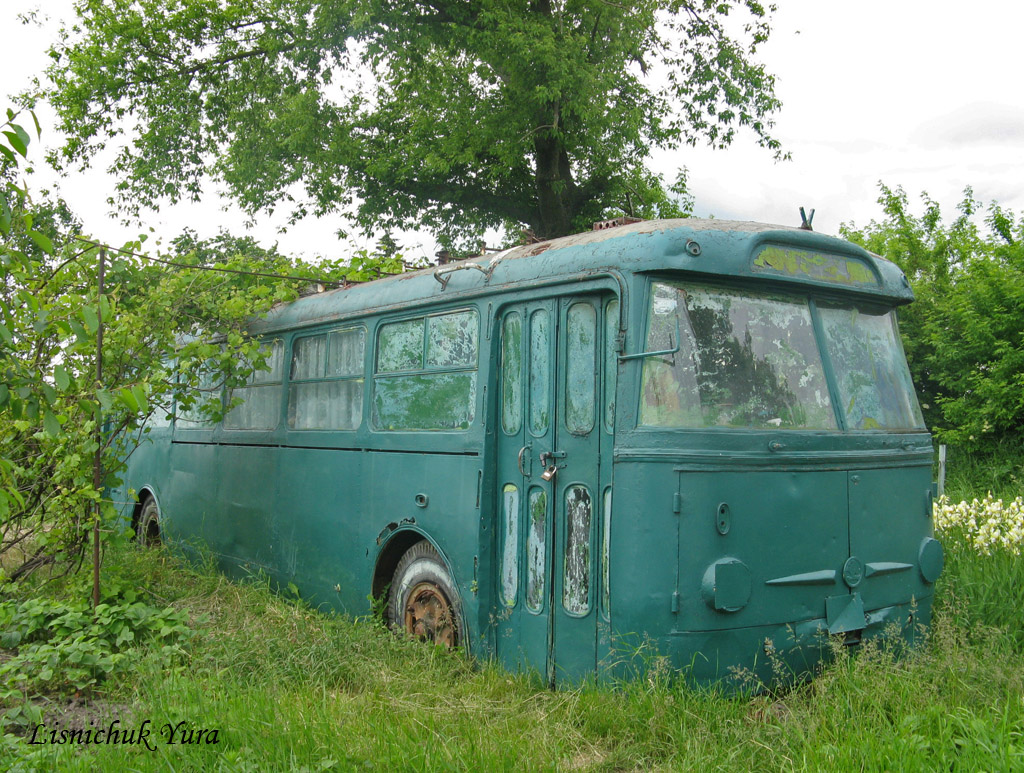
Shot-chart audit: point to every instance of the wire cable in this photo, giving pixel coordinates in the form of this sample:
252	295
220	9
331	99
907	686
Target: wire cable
336	282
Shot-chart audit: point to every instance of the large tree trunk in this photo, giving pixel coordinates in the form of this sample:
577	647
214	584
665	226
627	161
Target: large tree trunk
556	190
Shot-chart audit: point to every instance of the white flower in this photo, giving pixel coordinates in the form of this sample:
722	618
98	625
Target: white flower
985	525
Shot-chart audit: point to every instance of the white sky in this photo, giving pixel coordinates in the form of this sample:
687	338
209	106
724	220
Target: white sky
920	93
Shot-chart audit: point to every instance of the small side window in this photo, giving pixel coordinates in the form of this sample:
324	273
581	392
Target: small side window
326	390
309	355
452	340
260	406
193	417
400	346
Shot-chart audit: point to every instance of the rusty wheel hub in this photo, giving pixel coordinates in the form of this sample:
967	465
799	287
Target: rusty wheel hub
428	615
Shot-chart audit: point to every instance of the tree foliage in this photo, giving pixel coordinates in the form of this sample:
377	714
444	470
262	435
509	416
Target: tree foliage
964	335
454	115
51	401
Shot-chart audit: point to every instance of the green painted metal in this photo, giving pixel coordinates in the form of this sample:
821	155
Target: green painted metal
505	415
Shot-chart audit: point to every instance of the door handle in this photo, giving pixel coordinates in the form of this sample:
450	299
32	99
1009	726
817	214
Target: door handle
519	461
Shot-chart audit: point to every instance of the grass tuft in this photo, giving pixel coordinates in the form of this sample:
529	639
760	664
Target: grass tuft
289	689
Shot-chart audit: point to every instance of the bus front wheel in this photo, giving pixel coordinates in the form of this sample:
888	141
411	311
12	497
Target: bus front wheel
147	532
423	602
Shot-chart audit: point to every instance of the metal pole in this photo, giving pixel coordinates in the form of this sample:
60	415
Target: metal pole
97	462
942	470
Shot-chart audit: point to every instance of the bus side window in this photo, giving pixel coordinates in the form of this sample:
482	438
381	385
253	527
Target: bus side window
261	396
326	385
426	373
194	417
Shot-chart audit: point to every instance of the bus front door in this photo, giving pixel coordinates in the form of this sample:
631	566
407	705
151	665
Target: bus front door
553	488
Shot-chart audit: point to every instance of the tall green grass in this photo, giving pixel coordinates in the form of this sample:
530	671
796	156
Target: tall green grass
1000	473
289	689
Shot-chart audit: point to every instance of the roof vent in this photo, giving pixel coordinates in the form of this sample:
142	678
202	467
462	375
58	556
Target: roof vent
601	225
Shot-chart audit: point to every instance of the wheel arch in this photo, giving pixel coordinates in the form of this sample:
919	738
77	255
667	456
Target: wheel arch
145	492
392	548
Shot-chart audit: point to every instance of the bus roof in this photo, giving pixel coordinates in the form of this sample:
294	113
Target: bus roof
771	253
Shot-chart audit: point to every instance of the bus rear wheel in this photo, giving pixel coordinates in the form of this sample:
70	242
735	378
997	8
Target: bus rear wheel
423	602
147	532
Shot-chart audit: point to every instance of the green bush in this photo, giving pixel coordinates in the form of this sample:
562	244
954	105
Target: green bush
964	334
59	648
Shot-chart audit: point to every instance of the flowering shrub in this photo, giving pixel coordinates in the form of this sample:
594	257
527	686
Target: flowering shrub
986	525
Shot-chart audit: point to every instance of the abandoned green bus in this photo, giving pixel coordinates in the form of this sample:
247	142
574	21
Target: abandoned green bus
693	439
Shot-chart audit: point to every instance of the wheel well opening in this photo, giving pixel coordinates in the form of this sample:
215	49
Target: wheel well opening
137	510
144	496
387	562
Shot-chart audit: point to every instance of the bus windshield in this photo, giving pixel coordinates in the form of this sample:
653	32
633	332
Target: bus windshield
744	360
871	371
751	360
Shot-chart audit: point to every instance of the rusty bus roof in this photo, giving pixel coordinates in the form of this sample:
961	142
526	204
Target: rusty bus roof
706	247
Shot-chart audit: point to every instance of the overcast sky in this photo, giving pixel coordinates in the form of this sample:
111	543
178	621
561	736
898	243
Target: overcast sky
920	93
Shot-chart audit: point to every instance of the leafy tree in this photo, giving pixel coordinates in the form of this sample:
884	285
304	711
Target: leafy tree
455	115
52	402
964	335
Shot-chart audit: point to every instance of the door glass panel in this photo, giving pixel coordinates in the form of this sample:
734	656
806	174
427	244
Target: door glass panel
581	329
605	544
611	362
576	580
510	555
536	547
511	373
540	372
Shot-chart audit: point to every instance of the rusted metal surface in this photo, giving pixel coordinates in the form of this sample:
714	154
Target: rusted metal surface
616	222
429	615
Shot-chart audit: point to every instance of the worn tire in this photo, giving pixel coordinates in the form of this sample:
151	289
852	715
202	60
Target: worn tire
423	601
147	531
